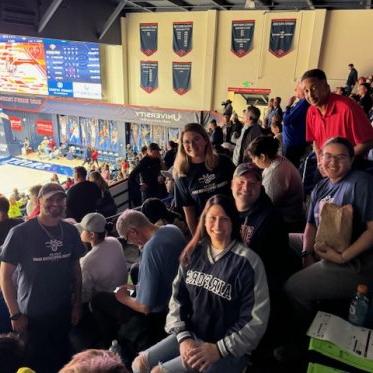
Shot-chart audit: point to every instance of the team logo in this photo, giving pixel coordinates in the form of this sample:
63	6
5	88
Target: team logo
54	245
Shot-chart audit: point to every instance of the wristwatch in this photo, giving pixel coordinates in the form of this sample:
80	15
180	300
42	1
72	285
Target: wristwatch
16	316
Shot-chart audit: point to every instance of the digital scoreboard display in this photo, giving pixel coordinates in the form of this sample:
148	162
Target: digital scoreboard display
50	67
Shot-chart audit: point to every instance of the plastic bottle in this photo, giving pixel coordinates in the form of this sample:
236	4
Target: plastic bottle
359	306
115	347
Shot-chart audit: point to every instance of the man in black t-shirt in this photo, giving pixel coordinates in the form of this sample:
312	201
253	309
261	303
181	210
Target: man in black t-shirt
82	197
147	174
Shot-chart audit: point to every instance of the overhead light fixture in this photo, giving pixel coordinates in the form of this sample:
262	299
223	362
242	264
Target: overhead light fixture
250	4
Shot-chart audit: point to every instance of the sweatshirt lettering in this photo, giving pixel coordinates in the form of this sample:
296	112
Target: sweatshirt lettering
210	283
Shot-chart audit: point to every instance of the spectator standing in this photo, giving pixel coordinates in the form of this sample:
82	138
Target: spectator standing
216	134
294	127
82	197
235	129
199	173
6	223
169	157
351	79
332	115
47	300
365	100
147	174
250	131
32	206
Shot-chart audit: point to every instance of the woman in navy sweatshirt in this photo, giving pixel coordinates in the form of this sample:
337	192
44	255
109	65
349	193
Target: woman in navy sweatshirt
219	306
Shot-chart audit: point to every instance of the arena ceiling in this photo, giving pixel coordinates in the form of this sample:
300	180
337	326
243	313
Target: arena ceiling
98	20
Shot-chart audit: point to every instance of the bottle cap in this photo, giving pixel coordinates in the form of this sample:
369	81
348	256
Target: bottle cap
362	289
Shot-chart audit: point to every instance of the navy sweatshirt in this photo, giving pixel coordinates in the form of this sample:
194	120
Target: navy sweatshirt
223	300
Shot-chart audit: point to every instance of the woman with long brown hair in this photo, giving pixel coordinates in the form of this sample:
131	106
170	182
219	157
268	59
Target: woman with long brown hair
219	305
199	172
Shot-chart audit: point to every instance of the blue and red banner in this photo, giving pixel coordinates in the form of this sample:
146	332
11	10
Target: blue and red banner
149	75
181	73
149	38
242	36
183	36
282	33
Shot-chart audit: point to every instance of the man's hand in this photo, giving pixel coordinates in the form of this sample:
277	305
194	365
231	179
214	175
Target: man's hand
20	325
185	347
121	293
203	356
328	253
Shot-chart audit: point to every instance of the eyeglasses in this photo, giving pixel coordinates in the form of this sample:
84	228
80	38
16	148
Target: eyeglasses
338	158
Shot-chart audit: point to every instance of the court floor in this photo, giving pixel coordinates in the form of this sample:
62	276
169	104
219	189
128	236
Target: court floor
22	178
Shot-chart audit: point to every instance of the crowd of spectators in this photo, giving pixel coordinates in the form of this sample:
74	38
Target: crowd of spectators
229	266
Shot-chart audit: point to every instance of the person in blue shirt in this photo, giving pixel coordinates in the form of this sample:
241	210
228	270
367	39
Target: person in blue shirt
294	127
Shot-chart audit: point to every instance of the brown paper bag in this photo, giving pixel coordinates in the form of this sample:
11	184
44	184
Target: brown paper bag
335	228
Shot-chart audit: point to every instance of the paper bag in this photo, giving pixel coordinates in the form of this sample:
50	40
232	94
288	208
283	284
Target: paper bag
335	226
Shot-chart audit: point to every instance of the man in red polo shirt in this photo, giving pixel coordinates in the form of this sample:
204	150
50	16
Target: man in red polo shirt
332	115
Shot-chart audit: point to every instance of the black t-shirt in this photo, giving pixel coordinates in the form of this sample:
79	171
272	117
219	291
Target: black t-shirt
6	226
82	198
200	184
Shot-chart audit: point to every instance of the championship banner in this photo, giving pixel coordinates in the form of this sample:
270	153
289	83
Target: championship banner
44	127
182	40
242	36
149	75
149	38
15	123
181	72
282	32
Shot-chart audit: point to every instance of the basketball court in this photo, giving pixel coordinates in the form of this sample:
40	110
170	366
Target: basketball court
22	172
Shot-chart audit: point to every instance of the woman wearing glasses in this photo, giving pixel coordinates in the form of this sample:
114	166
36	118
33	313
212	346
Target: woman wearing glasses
219	306
199	173
330	274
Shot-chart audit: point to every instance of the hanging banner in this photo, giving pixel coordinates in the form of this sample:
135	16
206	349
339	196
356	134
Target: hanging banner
44	127
149	38
149	75
181	72
15	123
282	33
242	36
182	40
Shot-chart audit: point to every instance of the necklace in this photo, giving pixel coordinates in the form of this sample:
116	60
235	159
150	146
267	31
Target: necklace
50	236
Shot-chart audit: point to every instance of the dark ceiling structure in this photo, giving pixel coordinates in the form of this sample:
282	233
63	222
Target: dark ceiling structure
98	20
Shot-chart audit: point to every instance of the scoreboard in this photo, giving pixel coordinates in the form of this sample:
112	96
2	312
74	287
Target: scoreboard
50	67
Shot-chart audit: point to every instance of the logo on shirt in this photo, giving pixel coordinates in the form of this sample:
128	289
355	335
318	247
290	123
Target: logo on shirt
207	178
247	232
210	283
54	245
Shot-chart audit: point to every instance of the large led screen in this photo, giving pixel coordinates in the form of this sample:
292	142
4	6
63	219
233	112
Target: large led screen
48	66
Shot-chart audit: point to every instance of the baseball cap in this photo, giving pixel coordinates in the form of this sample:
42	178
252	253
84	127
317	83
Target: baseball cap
50	189
92	222
154	146
245	168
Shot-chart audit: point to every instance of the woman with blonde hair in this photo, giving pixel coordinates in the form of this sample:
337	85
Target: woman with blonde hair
199	172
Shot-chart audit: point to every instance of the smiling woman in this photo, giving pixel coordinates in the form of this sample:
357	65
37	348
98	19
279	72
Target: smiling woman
336	275
219	306
199	172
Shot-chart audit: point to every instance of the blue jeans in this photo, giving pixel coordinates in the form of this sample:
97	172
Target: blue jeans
167	354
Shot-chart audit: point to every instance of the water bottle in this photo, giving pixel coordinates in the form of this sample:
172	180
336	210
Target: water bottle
115	348
359	306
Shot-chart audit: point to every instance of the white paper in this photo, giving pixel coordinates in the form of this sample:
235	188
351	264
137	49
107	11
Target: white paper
348	337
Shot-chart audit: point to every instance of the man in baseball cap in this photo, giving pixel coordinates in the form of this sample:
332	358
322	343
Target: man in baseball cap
47	304
262	226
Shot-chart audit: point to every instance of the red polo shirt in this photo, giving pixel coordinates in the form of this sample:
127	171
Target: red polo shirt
343	117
